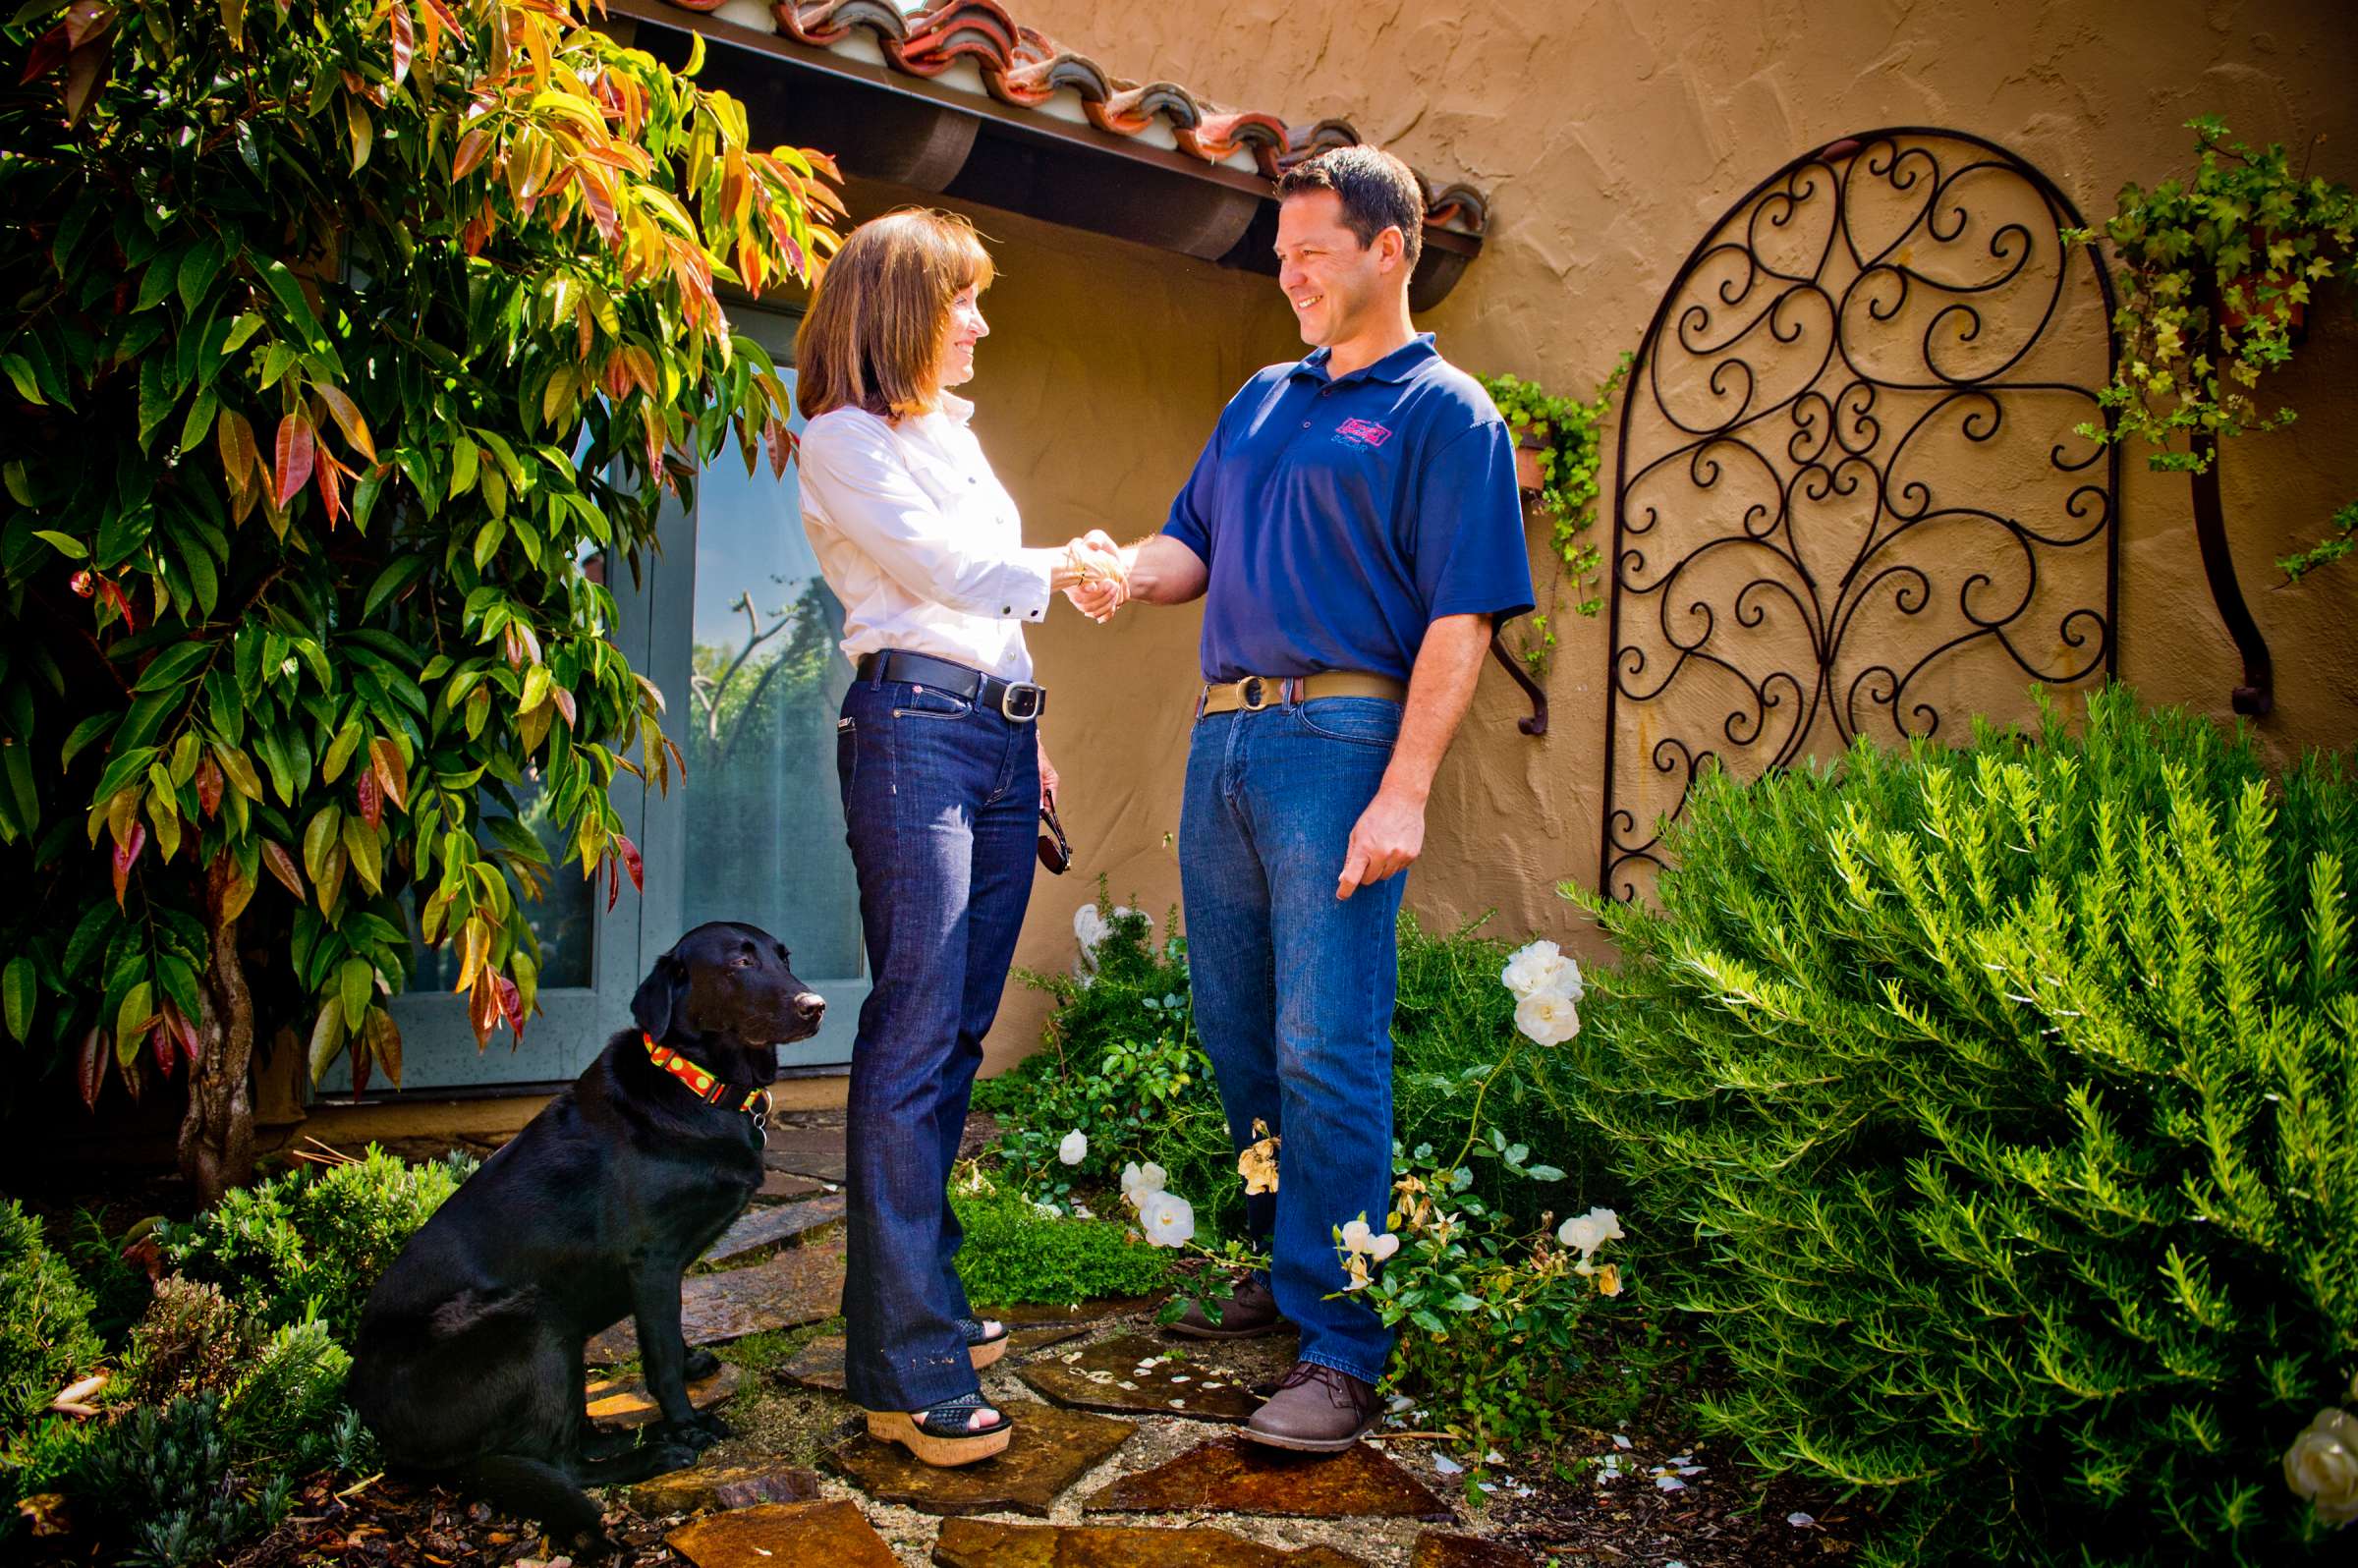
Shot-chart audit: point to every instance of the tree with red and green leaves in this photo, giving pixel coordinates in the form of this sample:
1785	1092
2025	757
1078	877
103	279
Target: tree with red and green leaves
338	334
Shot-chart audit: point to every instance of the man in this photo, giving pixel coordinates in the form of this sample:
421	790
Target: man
1355	526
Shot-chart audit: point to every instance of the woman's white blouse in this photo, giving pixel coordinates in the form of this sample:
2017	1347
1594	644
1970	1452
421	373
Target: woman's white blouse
920	541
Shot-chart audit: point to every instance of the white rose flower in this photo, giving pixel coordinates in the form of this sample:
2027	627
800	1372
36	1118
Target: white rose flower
2322	1465
1590	1231
1075	1148
1384	1246
1547	1017
1167	1219
1356	1237
1139	1182
1542	967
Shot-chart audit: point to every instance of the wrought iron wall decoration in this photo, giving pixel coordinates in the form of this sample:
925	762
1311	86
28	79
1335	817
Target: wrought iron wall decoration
1849	497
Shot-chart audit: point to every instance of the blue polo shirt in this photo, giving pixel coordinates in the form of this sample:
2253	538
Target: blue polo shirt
1341	515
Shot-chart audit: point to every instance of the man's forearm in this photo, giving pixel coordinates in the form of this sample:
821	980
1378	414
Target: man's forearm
1163	570
1439	689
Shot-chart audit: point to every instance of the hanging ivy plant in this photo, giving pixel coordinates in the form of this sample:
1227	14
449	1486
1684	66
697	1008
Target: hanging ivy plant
2219	269
1565	438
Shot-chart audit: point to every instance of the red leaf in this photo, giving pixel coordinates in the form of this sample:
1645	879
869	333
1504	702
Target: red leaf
90	1066
282	866
48	52
126	852
392	773
112	592
372	796
192	1044
614	885
564	701
164	1040
332	489
482	1009
472	147
631	860
83	582
295	453
600	198
209	780
86	71
403	42
511	1006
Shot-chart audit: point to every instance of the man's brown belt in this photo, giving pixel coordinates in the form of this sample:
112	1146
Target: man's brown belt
1256	692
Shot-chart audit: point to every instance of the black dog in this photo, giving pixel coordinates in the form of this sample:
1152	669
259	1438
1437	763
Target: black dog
469	1363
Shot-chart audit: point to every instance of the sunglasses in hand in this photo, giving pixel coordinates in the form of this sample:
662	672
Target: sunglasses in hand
1054	852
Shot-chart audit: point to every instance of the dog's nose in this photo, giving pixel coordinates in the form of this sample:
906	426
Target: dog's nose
809	1006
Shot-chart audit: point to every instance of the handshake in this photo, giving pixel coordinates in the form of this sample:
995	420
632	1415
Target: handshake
1096	575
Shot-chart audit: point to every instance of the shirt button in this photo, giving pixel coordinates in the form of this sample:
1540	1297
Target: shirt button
1306	425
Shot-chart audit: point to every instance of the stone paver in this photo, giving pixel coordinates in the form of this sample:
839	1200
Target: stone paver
1438	1549
778	1186
1050	1450
1231	1476
808	1535
757	1228
814	1151
1024	1341
699	1487
1139	1375
989	1544
625	1401
800	1285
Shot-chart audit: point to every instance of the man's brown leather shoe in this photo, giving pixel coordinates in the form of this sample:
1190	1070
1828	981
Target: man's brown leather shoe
1316	1409
1250	1311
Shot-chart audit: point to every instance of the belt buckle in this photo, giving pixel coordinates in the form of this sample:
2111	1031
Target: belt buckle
1252	693
1016	711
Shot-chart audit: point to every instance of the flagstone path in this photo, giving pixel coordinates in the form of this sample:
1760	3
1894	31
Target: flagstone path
1125	1452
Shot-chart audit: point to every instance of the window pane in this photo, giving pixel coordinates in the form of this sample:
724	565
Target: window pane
764	821
564	920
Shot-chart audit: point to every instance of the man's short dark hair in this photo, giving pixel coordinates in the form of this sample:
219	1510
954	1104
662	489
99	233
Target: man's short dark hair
1378	191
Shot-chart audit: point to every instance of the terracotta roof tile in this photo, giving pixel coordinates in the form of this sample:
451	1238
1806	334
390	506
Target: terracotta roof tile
1024	68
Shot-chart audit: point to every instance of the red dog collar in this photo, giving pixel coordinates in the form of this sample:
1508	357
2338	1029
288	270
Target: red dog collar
712	1090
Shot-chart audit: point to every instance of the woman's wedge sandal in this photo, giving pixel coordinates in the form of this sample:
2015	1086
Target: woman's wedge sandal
985	1340
945	1436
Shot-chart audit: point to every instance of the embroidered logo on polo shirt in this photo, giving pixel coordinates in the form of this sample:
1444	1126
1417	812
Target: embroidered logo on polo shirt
1363	434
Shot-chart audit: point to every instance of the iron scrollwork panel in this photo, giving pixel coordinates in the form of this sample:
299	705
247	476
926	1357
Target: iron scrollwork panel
1850	495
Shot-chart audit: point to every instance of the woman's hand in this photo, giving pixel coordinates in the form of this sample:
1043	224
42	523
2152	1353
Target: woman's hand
1095	576
1047	772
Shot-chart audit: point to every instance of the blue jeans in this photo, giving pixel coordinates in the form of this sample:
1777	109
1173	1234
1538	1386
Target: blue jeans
941	806
1293	987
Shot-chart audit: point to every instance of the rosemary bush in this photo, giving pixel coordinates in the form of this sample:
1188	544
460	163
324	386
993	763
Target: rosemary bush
2007	1102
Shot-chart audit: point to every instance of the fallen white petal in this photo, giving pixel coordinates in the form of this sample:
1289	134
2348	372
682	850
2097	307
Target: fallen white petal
1447	1465
1800	1521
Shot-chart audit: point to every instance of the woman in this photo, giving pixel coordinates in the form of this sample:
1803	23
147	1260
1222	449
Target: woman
939	758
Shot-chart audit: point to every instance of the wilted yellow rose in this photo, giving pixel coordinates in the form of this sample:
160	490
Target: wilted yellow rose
1257	1165
1609	1279
2322	1465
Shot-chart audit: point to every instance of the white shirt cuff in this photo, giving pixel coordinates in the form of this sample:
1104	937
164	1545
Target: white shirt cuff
1027	592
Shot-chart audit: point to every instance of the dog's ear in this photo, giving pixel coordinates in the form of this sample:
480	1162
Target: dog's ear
659	995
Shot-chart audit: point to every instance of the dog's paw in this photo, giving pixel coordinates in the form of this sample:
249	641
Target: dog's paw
699	1365
707	1421
673	1454
693	1437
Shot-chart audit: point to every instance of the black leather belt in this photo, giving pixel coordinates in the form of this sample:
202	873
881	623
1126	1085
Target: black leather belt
1017	702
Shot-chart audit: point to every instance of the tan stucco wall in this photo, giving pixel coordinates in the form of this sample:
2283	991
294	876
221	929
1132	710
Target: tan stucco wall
1609	135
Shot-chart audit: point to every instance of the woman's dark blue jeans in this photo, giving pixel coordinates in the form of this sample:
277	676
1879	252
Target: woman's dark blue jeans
941	809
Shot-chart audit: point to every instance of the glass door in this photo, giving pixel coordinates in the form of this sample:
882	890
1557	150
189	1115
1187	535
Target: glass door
732	621
745	652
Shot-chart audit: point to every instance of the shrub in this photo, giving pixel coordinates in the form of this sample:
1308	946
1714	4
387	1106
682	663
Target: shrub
2006	1099
190	1341
1121	1065
45	1336
301	1245
1014	1254
288	1403
166	1485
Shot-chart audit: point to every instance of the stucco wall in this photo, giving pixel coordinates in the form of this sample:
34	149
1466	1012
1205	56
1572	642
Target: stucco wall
1610	135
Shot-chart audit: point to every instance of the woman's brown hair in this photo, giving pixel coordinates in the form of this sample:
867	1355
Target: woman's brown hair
872	338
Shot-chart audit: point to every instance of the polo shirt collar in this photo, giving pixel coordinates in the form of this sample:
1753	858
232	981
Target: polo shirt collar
1397	365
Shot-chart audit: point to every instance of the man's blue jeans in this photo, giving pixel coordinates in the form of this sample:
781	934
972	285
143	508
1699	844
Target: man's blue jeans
1293	987
942	808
